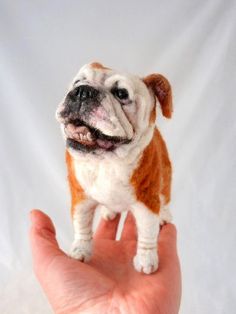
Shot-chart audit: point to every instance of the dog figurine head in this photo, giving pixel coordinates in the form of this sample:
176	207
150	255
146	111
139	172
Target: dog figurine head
108	111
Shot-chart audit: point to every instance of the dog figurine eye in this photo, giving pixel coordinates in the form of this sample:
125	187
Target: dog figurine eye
120	93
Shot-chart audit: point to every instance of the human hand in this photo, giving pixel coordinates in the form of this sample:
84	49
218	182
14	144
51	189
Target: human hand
108	283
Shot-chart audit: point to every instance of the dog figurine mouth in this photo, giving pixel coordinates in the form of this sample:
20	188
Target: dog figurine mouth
82	136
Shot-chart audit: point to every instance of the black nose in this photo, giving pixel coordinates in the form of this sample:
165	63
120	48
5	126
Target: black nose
85	92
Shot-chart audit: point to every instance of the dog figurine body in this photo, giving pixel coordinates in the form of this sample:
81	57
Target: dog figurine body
116	157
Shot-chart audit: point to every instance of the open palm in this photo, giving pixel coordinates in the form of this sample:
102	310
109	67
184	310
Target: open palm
108	283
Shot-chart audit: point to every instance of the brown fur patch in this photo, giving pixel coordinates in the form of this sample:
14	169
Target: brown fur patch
97	65
77	192
153	115
162	89
152	177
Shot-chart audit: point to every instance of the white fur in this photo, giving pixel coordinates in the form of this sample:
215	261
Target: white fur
82	220
107	213
146	259
81	250
106	180
119	121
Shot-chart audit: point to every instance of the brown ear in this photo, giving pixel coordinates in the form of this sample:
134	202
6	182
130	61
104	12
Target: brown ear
162	89
97	65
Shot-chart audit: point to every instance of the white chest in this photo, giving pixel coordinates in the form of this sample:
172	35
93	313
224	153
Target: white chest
106	181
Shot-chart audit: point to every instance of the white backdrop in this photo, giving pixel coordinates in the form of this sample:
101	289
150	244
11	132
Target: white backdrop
43	43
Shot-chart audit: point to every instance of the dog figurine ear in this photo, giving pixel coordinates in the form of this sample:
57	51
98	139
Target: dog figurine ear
97	65
162	90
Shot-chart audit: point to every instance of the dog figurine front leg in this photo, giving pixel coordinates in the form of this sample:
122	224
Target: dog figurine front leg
148	226
82	215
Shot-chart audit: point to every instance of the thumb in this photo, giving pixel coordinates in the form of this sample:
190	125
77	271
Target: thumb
43	241
167	242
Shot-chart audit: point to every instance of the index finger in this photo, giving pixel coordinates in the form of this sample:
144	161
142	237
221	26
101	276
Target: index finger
129	230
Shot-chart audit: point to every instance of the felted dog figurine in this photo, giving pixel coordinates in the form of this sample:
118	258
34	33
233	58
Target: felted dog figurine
115	155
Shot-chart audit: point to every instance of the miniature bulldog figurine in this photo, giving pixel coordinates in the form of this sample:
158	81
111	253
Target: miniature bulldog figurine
115	155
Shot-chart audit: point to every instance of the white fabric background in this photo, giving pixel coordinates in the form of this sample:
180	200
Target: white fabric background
43	44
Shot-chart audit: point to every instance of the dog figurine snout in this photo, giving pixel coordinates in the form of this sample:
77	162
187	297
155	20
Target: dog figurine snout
86	92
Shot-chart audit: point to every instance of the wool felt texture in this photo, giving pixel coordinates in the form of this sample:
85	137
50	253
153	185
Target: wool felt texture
192	43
